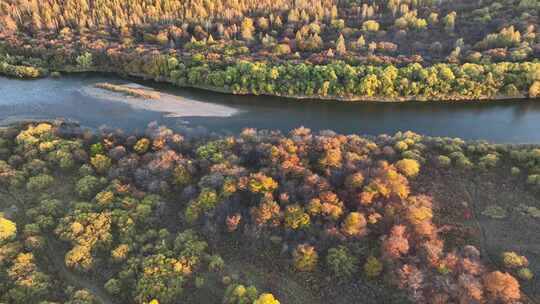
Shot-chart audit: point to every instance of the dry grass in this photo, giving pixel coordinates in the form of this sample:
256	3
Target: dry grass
141	93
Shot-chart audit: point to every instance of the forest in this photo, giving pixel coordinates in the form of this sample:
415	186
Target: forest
383	50
264	217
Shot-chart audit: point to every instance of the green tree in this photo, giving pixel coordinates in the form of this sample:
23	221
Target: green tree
240	294
341	263
85	61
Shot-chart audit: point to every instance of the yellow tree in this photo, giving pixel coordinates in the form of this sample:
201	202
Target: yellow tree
247	29
8	229
341	48
266	298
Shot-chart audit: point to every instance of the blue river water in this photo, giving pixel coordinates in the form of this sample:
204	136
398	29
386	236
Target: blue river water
501	121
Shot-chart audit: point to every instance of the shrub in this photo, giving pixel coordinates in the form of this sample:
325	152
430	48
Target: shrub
84	61
511	259
489	161
266	298
463	163
260	183
39	183
533	179
341	263
205	202
373	267
240	294
305	257
113	286
85	170
409	167
355	181
87	186
282	49
120	253
295	217
104	198
97	148
495	212
101	163
182	177
525	274
213	151
401	146
370	26
215	263
35	167
142	145
444	161
515	171
66	161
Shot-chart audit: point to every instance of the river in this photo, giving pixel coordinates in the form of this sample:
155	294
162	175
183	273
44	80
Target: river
74	98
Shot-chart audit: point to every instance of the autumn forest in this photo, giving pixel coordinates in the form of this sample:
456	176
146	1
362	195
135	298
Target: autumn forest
173	212
347	50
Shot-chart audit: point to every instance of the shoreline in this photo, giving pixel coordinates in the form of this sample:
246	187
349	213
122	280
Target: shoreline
320	98
315	98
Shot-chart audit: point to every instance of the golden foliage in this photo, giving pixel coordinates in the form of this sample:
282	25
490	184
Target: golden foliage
305	257
373	267
409	167
8	229
354	224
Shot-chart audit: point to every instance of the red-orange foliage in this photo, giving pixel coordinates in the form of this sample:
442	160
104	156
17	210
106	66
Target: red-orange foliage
434	250
471	266
266	211
386	183
450	261
396	245
354	181
470	289
502	286
411	278
440	298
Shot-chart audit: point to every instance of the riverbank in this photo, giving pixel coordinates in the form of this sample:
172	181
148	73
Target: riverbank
337	80
21	71
223	90
446	98
315	97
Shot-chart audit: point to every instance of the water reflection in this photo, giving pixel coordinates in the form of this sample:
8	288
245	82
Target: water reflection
511	121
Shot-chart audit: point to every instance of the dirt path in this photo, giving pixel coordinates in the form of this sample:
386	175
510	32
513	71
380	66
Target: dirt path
73	278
